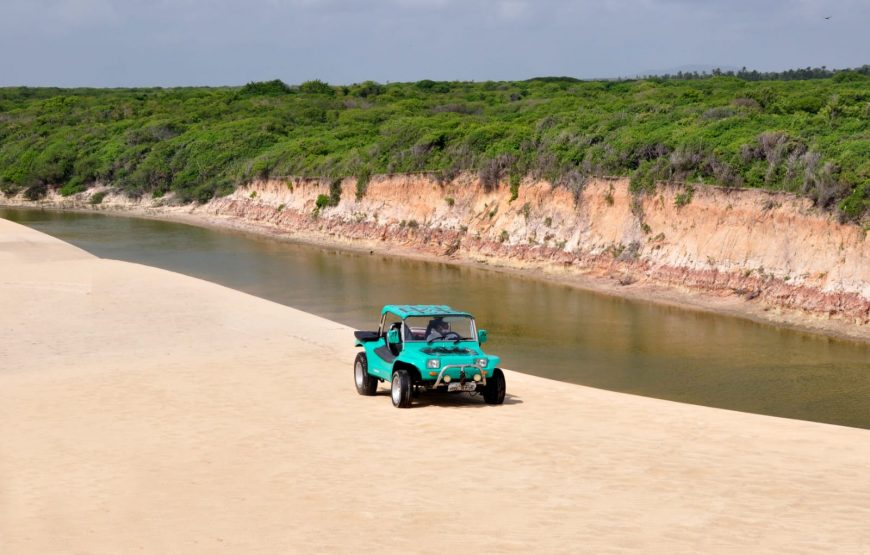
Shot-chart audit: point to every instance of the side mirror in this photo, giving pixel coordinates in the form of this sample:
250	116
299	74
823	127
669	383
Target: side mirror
481	336
393	336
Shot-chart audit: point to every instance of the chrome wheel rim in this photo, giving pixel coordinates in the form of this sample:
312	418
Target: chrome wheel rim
358	373
396	391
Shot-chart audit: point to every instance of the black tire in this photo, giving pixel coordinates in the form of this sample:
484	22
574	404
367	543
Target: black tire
366	384
400	389
493	392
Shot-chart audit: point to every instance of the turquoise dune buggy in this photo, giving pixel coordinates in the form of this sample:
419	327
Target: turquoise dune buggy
426	347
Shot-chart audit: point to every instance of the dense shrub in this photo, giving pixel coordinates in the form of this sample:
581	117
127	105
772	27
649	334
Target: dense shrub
335	192
332	199
434	86
367	89
266	88
808	137
36	192
75	185
316	87
362	182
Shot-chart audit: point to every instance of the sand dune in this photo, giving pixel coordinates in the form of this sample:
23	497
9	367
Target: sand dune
145	411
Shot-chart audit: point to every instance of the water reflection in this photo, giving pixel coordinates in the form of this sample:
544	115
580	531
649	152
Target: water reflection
541	328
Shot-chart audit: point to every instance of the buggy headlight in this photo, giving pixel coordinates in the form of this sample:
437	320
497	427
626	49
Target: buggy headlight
433	363
481	362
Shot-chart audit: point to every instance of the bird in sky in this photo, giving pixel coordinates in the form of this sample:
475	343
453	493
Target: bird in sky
829	17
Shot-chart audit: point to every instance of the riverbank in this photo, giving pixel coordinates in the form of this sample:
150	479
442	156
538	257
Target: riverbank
768	257
145	410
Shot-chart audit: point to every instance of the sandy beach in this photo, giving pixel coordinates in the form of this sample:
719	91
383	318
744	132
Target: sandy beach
143	411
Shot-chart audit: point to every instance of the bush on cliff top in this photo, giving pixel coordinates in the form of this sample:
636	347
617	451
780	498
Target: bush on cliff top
275	87
810	137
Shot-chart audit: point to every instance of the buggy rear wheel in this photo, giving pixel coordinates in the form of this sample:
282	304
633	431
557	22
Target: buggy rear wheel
366	384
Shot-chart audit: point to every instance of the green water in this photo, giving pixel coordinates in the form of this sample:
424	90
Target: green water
537	327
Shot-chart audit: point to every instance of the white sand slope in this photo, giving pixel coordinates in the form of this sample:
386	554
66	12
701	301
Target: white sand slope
143	411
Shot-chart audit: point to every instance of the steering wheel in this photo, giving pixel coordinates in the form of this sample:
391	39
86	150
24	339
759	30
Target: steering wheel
456	337
447	335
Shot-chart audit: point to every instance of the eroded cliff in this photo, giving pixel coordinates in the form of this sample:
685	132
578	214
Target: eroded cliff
765	250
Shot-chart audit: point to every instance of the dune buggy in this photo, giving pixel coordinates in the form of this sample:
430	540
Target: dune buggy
426	347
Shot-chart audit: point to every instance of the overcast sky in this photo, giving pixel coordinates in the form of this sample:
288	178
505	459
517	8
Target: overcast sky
230	42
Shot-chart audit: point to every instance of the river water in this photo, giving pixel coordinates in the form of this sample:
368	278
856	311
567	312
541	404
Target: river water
537	327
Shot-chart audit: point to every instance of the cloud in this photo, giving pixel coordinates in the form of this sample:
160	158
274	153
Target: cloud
422	3
512	10
48	18
166	42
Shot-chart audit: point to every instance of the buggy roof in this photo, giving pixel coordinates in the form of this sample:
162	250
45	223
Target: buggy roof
405	310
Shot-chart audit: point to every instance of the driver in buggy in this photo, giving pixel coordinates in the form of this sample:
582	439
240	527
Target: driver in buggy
438	328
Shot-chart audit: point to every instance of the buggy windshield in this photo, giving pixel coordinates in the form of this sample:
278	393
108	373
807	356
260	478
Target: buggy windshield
439	328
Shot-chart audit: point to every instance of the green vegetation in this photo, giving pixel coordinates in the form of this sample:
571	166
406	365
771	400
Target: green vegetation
515	186
801	74
97	198
811	137
608	197
526	210
322	201
362	182
684	198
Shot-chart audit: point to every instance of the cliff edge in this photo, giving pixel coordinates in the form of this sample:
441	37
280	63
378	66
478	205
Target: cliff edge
771	256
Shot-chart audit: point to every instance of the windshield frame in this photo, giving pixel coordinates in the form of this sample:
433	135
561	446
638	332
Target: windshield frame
472	326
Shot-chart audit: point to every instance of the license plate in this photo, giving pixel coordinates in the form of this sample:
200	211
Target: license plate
459	387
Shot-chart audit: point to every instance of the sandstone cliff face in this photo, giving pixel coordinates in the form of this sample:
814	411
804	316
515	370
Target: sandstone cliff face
772	249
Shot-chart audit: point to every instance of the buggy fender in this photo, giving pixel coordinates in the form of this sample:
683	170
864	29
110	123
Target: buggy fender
412	370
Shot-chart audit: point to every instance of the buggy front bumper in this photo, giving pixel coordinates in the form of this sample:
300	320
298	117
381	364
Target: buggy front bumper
461	373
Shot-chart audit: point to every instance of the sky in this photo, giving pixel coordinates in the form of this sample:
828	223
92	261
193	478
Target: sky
119	43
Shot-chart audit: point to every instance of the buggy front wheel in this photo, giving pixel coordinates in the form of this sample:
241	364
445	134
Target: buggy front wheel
494	391
400	389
